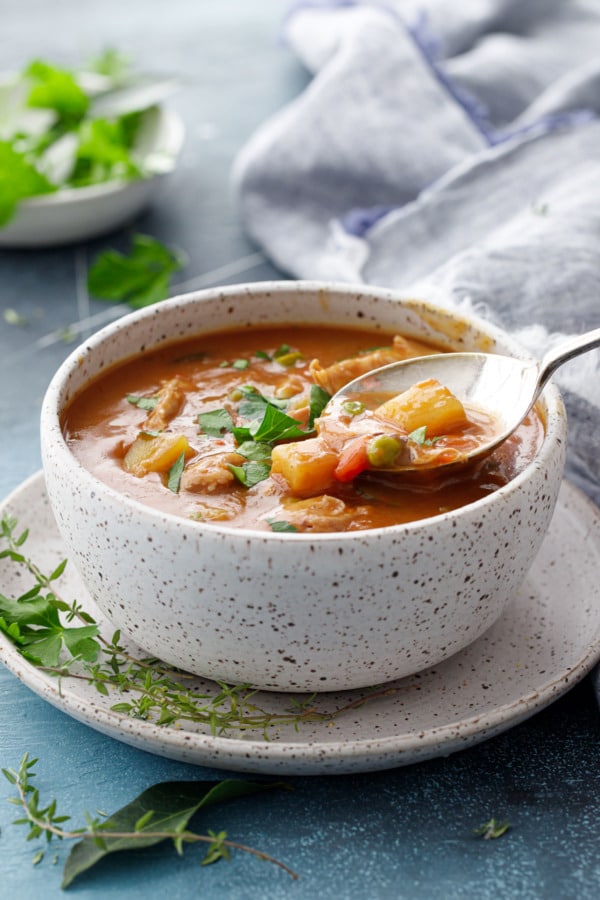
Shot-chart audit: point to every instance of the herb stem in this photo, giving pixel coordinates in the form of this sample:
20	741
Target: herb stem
47	827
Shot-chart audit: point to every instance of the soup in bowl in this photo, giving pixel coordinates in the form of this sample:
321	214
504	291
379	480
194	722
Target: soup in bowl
230	519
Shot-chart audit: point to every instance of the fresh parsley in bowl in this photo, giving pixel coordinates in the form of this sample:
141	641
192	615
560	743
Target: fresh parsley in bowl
81	152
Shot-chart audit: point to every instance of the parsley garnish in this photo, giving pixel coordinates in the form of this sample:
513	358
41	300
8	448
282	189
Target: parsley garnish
19	179
256	450
147	403
319	399
268	424
77	145
275	426
251	473
281	525
215	422
140	278
418	436
254	403
175	473
56	89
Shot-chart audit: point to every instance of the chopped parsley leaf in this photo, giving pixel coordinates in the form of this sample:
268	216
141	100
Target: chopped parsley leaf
215	422
175	473
251	473
147	403
281	526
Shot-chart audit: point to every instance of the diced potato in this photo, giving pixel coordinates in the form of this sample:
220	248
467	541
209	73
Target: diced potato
428	404
306	466
155	453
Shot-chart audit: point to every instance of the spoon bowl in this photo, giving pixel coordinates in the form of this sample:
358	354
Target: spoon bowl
504	387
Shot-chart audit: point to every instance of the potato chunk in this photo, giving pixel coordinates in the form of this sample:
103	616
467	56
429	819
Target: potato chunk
155	453
428	404
306	466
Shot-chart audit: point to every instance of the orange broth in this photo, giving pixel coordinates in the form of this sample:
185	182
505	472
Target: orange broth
101	425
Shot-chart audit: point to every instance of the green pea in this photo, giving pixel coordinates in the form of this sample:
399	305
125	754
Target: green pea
383	450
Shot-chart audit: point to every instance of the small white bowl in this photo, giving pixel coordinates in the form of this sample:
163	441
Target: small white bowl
285	611
71	215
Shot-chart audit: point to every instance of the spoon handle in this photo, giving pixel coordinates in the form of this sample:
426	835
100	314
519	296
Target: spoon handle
565	351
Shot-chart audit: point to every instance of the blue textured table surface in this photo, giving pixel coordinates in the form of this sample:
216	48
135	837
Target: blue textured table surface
406	833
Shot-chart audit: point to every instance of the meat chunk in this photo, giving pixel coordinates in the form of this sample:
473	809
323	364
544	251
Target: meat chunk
334	377
211	473
324	513
171	398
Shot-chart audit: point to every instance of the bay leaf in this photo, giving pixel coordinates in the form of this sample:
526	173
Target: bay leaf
172	804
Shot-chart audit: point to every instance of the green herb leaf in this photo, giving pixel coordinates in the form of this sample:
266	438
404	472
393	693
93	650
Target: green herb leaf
418	435
254	404
240	364
251	473
319	398
139	279
275	426
256	450
281	525
175	473
147	403
34	626
215	422
56	89
19	179
103	152
173	804
217	850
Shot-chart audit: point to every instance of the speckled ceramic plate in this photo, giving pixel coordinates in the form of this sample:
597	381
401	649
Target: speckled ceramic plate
546	641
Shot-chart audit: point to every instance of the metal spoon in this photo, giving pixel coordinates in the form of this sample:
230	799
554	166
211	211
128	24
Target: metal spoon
503	386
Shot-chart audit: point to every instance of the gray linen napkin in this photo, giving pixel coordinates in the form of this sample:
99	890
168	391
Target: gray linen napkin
451	151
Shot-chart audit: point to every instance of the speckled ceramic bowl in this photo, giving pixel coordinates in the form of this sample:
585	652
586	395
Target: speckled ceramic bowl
296	612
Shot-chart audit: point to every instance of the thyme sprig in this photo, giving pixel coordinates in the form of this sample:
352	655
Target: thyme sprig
61	638
135	824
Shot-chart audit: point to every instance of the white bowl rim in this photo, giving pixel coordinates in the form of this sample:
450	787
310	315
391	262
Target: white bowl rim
50	412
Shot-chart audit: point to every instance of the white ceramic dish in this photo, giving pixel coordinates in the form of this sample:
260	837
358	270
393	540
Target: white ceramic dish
545	642
304	611
79	214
